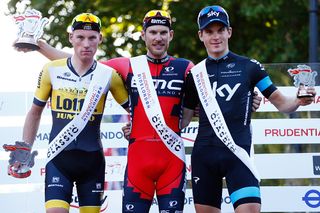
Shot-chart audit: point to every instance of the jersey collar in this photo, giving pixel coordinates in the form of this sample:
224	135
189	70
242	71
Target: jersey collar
222	58
91	69
158	61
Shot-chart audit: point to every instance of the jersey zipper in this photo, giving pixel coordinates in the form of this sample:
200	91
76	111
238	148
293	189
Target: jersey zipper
155	134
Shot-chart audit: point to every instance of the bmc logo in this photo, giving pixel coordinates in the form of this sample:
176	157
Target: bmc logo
158	21
162	84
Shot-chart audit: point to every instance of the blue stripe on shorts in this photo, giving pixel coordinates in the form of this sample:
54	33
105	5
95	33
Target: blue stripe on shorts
250	191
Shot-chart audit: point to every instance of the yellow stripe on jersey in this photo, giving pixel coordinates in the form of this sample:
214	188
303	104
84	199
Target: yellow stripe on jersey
118	89
44	85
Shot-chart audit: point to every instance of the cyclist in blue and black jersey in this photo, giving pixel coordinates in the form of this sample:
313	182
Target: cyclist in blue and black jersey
233	77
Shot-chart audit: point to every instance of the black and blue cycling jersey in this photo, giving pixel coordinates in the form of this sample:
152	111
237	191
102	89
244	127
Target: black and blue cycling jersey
236	77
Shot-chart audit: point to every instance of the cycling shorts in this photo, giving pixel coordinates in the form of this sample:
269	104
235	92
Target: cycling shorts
87	169
153	168
210	164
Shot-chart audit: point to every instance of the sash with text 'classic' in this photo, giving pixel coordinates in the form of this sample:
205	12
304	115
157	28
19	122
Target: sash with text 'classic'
99	82
215	116
151	105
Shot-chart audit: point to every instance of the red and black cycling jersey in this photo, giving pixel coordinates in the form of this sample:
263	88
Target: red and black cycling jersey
151	167
168	76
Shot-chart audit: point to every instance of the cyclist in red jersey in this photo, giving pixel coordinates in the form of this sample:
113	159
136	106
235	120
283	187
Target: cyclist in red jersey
151	166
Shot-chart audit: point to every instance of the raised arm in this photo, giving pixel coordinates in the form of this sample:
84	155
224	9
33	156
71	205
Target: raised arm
47	50
50	52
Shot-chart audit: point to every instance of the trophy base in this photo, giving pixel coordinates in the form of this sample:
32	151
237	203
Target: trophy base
20	174
29	46
304	95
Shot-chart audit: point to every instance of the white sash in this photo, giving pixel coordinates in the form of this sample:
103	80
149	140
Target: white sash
215	116
152	107
100	80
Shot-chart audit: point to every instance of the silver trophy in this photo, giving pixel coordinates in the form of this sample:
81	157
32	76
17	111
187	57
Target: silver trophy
31	26
21	159
303	77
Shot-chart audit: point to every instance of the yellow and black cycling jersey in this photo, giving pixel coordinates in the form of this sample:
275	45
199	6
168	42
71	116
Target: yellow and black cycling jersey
67	90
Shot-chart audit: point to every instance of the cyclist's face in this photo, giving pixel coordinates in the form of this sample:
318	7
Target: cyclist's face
215	38
157	39
85	43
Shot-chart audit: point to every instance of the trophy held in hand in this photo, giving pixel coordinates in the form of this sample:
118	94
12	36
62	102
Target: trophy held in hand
31	26
21	159
303	77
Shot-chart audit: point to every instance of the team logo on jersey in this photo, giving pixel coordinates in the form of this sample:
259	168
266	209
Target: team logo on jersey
67	74
129	207
98	186
173	203
168	69
161	84
55	179
257	62
231	65
66	78
225	90
196	179
39	79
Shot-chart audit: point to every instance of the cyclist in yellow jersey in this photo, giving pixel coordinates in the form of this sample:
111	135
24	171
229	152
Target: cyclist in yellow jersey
66	82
